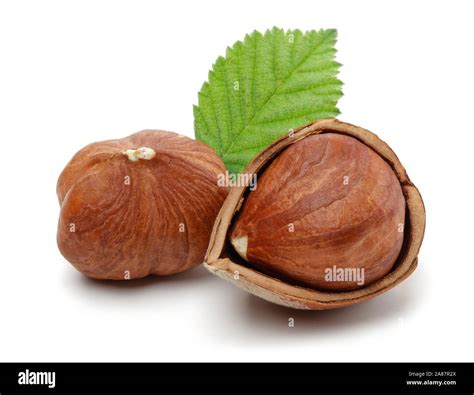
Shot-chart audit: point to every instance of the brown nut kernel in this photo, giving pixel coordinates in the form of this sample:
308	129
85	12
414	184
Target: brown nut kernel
327	201
330	198
141	205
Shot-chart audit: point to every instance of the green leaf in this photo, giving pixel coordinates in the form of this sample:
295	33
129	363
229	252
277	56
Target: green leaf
264	87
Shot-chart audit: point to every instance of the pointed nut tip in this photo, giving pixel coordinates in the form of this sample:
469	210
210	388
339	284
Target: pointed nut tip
240	244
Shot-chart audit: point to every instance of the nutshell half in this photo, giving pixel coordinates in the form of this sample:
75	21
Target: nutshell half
141	205
334	220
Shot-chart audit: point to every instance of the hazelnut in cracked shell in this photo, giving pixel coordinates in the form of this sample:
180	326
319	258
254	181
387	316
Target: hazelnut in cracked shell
331	198
141	205
328	213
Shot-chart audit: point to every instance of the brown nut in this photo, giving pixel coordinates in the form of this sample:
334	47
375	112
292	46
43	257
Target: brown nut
332	202
327	202
141	205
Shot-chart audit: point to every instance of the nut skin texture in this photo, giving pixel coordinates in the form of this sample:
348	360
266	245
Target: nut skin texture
326	201
122	217
222	260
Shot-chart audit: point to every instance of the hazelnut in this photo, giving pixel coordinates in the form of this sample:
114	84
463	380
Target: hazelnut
334	220
141	205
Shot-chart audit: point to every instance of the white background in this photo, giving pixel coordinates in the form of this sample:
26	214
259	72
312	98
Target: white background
73	72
